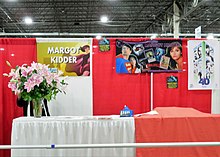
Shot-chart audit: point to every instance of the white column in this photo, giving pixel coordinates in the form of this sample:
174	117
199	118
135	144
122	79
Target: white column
215	109
151	91
176	18
215	104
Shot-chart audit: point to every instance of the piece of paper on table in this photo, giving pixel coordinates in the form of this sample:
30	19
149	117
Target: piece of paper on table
149	113
152	112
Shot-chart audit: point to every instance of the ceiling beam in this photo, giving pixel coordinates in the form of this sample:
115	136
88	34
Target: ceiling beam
11	19
191	10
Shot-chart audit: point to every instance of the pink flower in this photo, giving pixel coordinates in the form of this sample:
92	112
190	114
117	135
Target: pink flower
34	79
12	85
34	65
28	85
49	79
24	65
37	79
24	73
12	73
17	92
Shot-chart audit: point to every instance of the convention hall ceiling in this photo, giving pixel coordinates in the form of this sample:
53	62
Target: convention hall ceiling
125	16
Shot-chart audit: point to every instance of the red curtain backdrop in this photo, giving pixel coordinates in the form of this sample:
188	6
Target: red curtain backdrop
112	91
17	51
181	96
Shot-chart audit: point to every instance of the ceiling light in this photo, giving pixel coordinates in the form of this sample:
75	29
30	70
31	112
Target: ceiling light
28	20
104	19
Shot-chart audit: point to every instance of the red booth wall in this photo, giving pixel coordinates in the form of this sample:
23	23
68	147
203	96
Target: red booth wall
111	91
17	52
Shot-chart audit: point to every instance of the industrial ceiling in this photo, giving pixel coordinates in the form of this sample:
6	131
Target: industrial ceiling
125	16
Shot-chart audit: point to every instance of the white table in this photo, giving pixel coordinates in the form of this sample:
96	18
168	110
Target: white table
73	130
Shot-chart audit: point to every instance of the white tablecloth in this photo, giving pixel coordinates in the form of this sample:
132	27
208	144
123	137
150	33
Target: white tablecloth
73	130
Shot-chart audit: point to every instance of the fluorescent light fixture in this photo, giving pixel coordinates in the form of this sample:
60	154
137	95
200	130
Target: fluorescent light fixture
104	19
28	20
98	37
210	36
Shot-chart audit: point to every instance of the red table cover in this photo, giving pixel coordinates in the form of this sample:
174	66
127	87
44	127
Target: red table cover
175	124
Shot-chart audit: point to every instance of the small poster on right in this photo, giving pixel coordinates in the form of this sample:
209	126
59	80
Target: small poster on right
203	64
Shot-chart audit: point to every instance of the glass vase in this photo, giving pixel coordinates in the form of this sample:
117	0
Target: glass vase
37	107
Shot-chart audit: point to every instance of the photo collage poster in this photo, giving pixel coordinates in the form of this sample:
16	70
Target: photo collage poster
148	56
203	64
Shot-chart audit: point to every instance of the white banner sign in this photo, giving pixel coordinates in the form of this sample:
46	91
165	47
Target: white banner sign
198	31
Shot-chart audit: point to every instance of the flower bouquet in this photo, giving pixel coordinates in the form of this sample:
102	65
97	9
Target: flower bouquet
35	83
